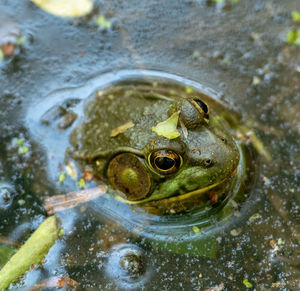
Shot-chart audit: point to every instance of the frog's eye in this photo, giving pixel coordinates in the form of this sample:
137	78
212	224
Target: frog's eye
165	162
201	107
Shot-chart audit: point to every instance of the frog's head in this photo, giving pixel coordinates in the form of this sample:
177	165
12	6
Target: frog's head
169	171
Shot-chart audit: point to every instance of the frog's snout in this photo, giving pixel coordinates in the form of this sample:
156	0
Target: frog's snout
197	159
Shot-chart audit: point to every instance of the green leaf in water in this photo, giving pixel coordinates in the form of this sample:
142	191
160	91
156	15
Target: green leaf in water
168	128
280	241
196	229
247	283
20	141
81	183
103	23
293	36
295	15
23	150
20	40
62	176
32	252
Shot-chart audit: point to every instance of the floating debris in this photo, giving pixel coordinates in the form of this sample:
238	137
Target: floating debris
254	217
122	128
293	37
103	23
66	8
247	283
81	183
70	200
256	81
62	176
217	288
10	37
71	170
32	252
196	229
295	15
55	282
168	128
236	232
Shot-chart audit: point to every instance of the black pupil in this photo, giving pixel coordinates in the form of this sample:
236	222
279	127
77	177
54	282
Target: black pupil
202	105
164	163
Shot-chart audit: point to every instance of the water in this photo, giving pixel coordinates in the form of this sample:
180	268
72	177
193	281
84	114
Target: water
236	50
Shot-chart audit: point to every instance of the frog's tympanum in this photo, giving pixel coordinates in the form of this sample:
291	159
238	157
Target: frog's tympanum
117	141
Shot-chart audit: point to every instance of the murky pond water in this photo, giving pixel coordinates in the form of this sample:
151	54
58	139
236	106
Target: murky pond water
237	53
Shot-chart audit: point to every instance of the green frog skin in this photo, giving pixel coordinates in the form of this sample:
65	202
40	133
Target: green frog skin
161	175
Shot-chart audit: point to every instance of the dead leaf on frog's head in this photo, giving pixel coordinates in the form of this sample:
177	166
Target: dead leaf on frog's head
168	127
122	128
66	8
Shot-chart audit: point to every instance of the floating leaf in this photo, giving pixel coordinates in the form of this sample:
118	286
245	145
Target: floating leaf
255	80
280	241
81	183
255	216
21	202
20	141
62	176
23	150
32	252
247	283
168	128
1	55
293	36
65	8
21	40
122	128
295	15
196	229
103	23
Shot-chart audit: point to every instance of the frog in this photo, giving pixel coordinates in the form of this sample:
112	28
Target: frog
116	141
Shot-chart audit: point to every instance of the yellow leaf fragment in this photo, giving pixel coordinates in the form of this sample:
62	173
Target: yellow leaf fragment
122	128
168	127
65	8
196	229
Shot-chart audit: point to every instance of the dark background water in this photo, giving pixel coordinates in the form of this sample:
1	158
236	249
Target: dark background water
224	47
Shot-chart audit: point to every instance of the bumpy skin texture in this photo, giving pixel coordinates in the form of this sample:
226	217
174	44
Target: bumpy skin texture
209	153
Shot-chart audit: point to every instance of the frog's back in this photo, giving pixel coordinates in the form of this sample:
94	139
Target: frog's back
119	117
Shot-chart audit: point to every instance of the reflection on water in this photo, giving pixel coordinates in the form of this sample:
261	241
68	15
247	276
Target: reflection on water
237	49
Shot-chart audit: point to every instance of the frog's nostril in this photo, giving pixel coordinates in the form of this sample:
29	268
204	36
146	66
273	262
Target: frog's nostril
223	139
208	163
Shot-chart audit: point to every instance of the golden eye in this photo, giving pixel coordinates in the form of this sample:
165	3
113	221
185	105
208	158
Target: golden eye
165	162
201	107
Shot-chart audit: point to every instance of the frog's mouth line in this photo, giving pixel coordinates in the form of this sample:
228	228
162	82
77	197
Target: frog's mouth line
237	172
188	195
